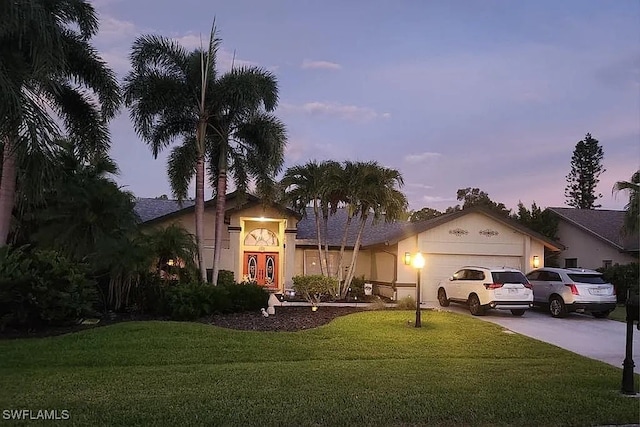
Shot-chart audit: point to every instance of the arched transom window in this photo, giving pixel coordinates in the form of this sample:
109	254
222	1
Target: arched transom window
261	237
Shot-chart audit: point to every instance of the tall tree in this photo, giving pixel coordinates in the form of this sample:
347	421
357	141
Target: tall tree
247	140
373	194
542	221
632	208
170	94
317	184
49	73
476	197
586	167
424	214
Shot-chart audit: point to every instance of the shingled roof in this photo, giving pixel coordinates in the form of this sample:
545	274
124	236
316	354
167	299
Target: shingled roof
383	233
149	209
606	225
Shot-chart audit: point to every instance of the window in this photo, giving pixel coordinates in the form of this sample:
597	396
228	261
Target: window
312	262
508	277
261	237
607	263
593	279
475	275
570	262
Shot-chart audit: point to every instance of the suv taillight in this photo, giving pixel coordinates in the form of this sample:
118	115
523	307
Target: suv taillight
492	285
574	289
527	285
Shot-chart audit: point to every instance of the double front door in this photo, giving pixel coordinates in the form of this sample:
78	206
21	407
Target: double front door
262	268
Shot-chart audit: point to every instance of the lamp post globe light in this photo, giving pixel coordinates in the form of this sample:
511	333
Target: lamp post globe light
418	263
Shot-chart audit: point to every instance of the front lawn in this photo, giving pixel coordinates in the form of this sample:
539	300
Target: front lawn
369	368
619	314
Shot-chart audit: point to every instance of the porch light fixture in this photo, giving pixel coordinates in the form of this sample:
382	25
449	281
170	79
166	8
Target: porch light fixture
418	264
536	261
170	262
407	258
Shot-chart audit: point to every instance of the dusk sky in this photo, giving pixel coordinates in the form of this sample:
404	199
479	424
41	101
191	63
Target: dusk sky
454	94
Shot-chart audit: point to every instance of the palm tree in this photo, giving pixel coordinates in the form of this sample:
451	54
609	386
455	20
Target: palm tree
304	186
49	72
248	141
169	92
372	192
223	121
632	216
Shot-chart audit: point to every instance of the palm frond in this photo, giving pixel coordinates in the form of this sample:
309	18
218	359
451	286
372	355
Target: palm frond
181	167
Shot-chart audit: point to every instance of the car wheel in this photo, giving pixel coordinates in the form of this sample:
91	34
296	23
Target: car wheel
518	313
474	305
601	314
557	307
442	298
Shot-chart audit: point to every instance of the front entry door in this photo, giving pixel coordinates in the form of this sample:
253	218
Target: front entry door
261	267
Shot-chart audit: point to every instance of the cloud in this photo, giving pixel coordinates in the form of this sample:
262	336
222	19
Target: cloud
421	157
320	65
333	109
420	186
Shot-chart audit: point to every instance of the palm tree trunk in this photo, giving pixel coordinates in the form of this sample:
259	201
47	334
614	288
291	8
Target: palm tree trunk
221	199
316	212
7	188
354	257
200	216
325	219
339	271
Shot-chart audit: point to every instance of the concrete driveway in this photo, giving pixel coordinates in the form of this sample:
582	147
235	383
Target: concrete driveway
600	339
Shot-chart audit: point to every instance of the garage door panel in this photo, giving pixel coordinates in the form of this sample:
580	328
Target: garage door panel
439	267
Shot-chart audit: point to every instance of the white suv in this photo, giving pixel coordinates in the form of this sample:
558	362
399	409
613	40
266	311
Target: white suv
565	290
483	288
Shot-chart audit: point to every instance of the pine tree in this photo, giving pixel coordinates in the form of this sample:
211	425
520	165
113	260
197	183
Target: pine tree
586	167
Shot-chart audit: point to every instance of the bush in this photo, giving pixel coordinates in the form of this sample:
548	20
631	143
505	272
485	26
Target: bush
357	288
42	288
226	278
150	295
406	303
623	277
247	297
315	287
192	301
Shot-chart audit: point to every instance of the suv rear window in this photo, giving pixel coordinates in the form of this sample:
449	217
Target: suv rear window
508	277
594	279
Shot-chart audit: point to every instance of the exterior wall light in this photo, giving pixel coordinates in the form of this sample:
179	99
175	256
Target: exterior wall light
170	262
536	261
407	258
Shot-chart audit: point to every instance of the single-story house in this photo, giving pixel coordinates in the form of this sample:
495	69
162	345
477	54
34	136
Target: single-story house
271	243
594	238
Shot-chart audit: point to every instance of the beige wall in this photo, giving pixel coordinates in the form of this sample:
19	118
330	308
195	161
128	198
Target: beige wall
588	249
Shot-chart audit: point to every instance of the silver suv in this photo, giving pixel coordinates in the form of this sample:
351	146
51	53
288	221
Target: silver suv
483	288
565	290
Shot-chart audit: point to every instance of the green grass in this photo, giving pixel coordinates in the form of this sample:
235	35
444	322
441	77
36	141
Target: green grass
619	314
368	368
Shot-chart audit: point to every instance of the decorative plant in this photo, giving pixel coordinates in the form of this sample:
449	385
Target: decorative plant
313	288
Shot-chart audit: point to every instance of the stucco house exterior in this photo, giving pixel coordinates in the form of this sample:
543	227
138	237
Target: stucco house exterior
594	238
271	244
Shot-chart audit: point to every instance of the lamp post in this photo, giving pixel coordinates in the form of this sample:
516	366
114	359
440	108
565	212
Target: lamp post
418	263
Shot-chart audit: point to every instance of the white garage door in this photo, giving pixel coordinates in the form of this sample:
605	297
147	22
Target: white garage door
440	267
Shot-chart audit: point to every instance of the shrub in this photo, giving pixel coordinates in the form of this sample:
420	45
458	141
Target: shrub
41	288
226	278
315	287
192	301
247	297
623	277
406	303
377	303
357	288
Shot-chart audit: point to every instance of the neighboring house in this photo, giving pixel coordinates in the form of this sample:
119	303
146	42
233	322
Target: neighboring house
271	243
594	238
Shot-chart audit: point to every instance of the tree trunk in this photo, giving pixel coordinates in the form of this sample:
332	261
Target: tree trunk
7	188
318	236
325	220
200	216
354	257
221	199
339	272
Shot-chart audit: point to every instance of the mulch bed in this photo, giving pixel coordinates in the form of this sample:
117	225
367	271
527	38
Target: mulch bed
286	319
